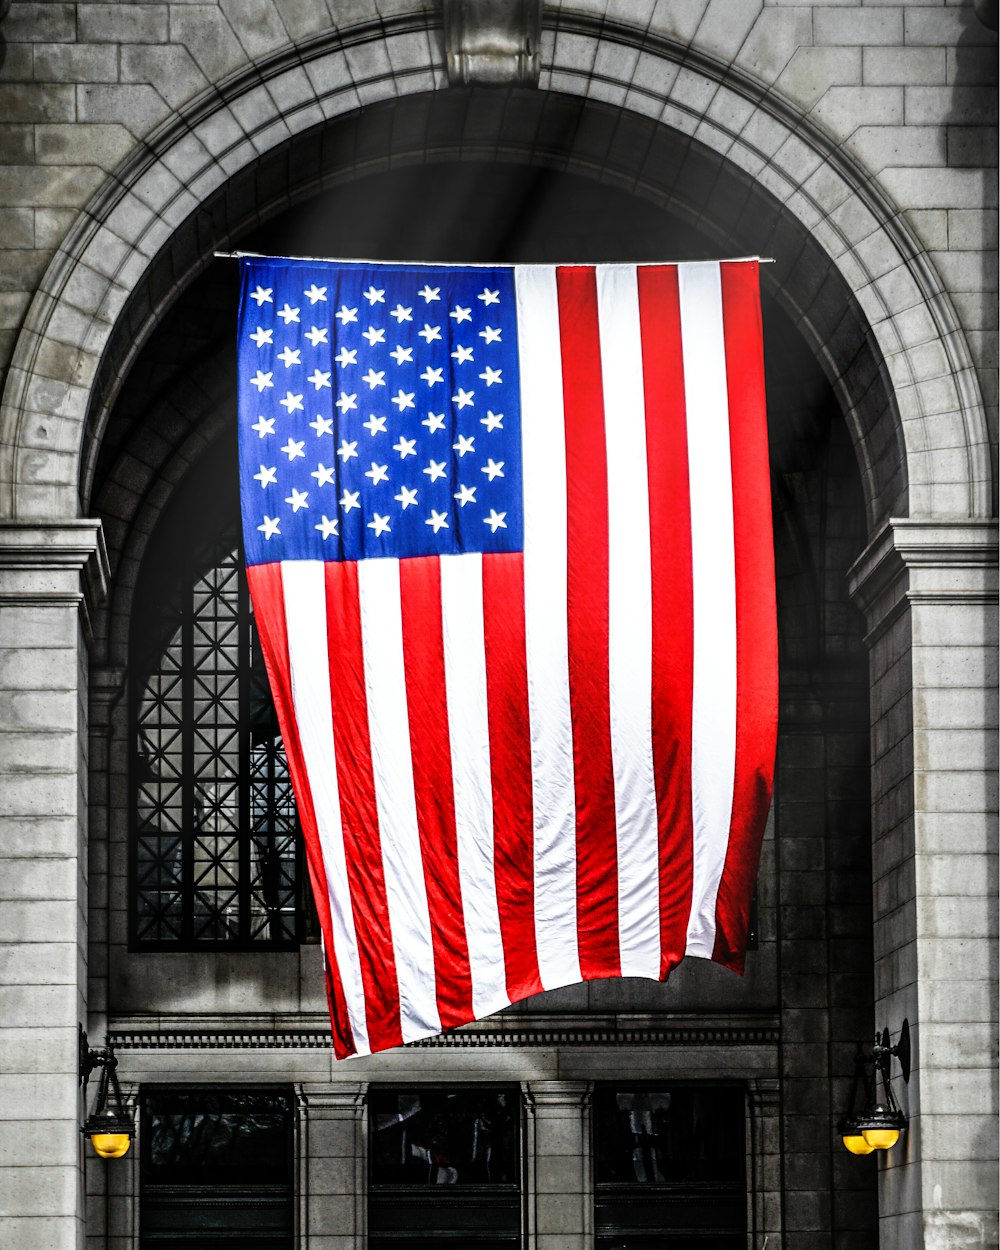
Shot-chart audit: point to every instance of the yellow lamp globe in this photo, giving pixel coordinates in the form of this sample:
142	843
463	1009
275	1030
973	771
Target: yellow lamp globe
883	1138
110	1145
855	1142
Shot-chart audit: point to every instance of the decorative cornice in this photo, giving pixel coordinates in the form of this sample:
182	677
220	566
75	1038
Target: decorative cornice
920	561
517	1033
54	563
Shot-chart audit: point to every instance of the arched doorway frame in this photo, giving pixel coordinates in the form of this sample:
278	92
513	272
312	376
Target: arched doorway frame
104	260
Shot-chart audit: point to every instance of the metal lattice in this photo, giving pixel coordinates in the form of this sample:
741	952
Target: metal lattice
216	846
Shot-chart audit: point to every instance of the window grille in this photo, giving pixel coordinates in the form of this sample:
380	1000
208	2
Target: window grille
216	845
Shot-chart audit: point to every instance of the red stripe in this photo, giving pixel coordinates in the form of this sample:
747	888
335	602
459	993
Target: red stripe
267	593
510	766
756	627
673	633
358	809
433	785
587	624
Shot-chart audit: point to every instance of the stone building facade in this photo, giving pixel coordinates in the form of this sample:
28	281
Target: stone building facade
853	143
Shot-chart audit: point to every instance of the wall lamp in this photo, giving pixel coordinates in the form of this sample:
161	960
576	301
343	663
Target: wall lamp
109	1125
878	1125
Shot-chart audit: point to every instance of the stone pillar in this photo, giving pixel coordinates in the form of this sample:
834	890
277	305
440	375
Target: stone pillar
764	1162
929	591
560	1198
333	1177
48	574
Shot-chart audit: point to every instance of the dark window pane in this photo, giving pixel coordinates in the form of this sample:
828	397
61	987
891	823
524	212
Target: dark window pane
439	1137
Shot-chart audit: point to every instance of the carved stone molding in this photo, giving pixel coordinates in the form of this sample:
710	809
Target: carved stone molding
572	1031
492	42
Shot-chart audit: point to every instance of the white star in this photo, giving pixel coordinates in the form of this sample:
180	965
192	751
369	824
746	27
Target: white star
291	403
266	477
288	315
439	520
380	525
346	356
375	425
346	450
374	379
463	398
327	526
405	447
293	449
430	333
494	468
491	334
460	314
345	315
317	335
263	295
401	354
430	293
323	475
315	294
495	520
318	379
262	381
466	494
402	314
435	469
464	445
434	422
406	497
349	500
346	402
378	473
261	336
373	335
270	526
492	421
322	425
461	354
263	425
432	376
403	400
298	499
489	297
374	296
491	376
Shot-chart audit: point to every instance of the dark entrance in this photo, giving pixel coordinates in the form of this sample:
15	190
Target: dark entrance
445	1168
216	1170
669	1168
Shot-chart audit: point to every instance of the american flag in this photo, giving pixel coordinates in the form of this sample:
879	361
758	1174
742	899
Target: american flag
508	540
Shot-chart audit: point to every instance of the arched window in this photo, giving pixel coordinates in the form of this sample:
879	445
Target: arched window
216	850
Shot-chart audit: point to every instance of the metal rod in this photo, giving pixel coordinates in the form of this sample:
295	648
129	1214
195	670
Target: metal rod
461	264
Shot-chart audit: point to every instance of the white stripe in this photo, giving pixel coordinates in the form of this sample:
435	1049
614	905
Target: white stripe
630	622
713	719
543	443
392	768
468	729
305	621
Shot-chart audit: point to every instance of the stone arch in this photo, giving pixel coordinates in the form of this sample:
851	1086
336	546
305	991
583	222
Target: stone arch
847	266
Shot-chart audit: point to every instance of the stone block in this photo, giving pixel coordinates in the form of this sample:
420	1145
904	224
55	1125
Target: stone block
62	144
209	38
844	109
39	963
881	146
22	921
811	71
972	229
904	66
856	27
37	879
256	23
21	1095
171	67
36	102
937	188
54	1143
944	26
136	106
38	1190
560	1213
40	23
124	23
76	62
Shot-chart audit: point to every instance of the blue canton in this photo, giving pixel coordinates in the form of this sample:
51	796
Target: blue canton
379	411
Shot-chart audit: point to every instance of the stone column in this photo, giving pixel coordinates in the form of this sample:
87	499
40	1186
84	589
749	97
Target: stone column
333	1178
929	592
764	1162
48	574
560	1198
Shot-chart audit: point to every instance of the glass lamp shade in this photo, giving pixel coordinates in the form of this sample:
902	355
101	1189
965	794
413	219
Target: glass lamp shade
854	1141
110	1145
880	1138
